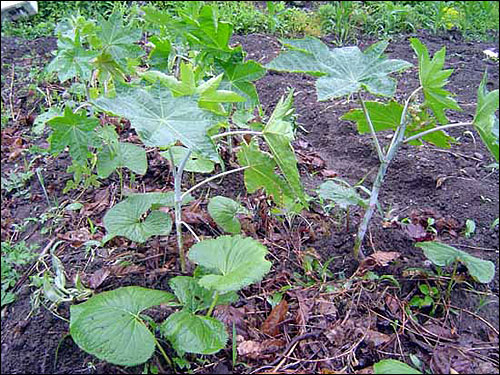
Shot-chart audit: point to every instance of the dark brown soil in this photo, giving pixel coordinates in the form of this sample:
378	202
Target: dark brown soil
451	184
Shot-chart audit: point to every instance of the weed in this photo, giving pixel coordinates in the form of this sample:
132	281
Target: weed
14	255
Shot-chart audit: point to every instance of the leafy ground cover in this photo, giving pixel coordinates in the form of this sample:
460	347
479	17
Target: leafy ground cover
318	310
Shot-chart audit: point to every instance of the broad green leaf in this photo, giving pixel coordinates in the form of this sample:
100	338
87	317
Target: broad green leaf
387	116
485	120
392	366
444	255
278	133
194	297
158	57
72	60
240	76
122	155
162	120
384	116
342	195
109	327
41	119
433	79
191	333
72	130
118	40
195	163
224	210
235	262
343	71
261	174
126	218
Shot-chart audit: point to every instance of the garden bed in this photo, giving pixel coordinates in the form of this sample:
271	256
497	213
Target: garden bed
342	328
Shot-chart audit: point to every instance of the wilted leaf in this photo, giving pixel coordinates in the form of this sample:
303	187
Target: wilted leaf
271	324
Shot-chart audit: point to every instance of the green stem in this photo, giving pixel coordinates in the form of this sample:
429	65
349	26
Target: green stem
178	196
213	178
380	153
236	132
167	359
214	302
397	141
451	283
436	129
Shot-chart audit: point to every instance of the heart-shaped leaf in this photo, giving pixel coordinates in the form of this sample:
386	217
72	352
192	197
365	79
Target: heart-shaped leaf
125	218
444	255
191	333
235	262
485	121
224	210
342	195
108	325
343	71
122	155
162	120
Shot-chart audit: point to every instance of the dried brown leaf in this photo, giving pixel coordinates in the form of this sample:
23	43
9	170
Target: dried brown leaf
98	278
278	313
376	338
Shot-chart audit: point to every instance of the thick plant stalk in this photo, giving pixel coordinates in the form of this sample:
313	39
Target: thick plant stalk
380	153
178	206
396	143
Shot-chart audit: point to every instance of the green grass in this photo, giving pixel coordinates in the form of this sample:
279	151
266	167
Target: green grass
13	257
343	19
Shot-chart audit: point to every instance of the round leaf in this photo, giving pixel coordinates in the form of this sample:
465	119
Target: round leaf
392	366
108	325
235	262
191	333
224	210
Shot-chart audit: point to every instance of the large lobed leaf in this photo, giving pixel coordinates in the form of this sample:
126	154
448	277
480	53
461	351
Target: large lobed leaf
444	255
195	163
485	120
234	261
108	324
72	130
433	79
342	71
162	120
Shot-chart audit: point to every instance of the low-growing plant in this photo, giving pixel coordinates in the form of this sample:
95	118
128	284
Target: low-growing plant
348	72
111	325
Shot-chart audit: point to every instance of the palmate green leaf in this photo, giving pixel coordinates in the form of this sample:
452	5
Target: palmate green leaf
125	218
234	261
72	60
239	77
392	366
108	325
485	120
195	163
190	333
162	120
158	57
342	71
194	297
278	133
444	255
224	210
118	40
342	195
121	155
433	79
387	116
261	174
72	130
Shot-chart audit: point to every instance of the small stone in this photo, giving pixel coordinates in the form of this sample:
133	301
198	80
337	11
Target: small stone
478	155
